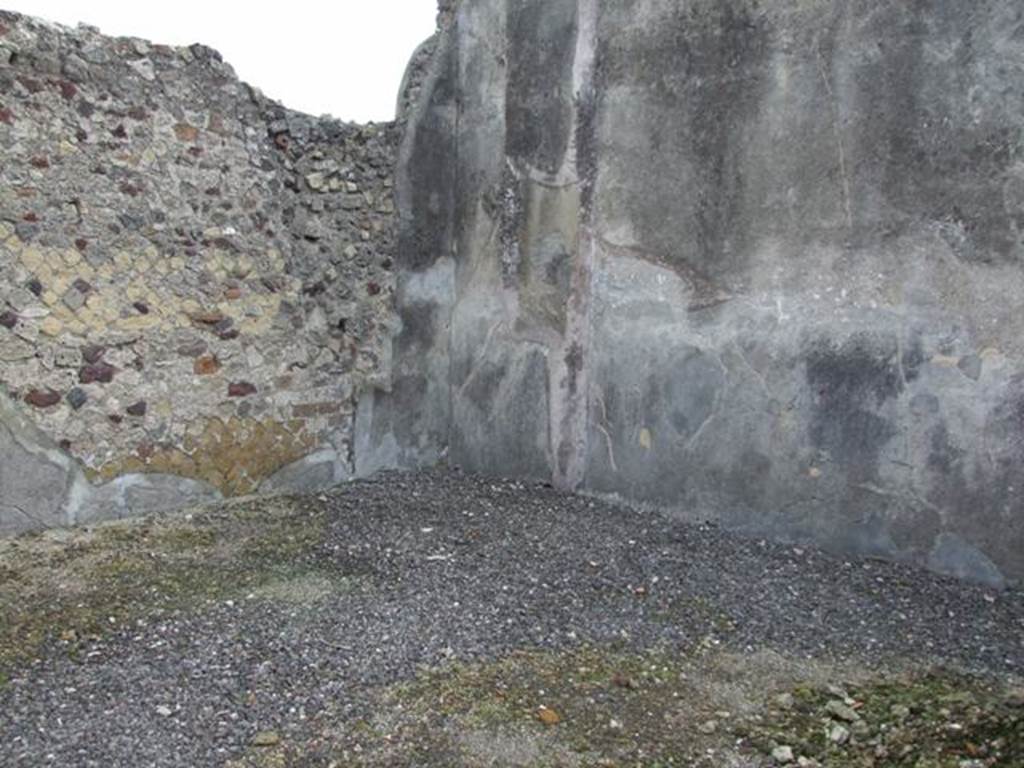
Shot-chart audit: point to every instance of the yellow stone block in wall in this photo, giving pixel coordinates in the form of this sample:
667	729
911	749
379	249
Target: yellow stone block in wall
44	273
31	258
62	313
123	261
72	257
5	231
50	298
137	323
243	267
51	326
60	283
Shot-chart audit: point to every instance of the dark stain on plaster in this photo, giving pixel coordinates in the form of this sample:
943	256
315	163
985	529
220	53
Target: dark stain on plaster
539	113
849	383
931	157
708	84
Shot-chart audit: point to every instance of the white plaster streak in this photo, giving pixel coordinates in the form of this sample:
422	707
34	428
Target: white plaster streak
481	358
837	128
568	404
719	396
911	498
602	426
757	374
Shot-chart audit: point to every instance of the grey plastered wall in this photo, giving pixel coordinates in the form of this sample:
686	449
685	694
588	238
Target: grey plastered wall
405	423
41	486
755	263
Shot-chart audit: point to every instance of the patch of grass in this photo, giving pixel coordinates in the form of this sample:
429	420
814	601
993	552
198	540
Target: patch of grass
661	709
936	719
70	588
607	705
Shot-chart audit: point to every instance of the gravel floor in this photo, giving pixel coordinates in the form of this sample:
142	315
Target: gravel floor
436	566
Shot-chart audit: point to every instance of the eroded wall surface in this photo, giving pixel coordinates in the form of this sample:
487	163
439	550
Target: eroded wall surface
195	283
752	262
757	263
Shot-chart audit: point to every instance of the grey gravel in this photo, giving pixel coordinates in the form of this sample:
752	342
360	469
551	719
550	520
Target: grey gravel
444	566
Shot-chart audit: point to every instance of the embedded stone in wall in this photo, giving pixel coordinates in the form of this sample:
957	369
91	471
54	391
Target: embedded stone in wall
176	250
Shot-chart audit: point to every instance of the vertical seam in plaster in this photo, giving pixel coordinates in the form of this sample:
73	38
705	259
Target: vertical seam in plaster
454	224
576	416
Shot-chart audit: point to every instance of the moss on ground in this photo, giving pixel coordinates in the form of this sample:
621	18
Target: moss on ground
592	707
69	588
598	701
578	707
934	719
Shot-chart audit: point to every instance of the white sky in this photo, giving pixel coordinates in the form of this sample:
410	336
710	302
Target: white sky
340	57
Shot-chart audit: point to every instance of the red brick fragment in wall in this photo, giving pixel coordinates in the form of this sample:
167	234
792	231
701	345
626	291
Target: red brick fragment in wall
30	84
206	365
241	389
102	373
41	398
67	89
186	132
208	318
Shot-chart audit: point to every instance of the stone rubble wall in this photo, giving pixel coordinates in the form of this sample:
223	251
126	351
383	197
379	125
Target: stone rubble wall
195	282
